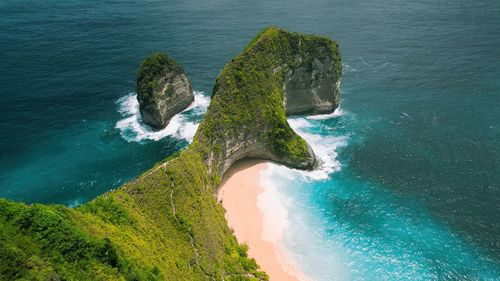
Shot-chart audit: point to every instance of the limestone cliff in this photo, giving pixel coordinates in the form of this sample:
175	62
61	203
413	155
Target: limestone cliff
167	224
163	90
279	73
313	86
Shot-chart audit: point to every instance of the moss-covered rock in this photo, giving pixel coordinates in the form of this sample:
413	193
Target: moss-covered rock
167	224
163	90
278	73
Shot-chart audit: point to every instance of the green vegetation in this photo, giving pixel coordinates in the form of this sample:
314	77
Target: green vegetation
154	66
167	224
45	244
247	100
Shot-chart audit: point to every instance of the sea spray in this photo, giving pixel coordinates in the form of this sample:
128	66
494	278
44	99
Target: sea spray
181	126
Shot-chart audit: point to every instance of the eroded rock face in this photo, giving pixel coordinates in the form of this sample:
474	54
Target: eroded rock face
278	74
163	90
313	87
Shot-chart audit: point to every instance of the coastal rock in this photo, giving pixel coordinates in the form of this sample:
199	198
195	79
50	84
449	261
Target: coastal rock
166	224
163	90
279	73
313	88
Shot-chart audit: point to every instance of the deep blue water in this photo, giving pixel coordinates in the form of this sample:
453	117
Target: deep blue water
417	196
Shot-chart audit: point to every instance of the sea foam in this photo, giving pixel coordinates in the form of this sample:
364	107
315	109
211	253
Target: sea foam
181	126
334	114
271	202
277	201
272	206
324	146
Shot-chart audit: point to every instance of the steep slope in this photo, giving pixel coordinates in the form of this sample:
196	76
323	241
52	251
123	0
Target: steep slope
246	117
167	224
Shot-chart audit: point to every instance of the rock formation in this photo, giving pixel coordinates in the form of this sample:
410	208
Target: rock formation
166	224
313	87
163	90
279	73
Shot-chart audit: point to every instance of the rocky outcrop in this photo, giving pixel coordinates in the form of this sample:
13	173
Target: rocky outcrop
279	73
167	224
163	90
313	88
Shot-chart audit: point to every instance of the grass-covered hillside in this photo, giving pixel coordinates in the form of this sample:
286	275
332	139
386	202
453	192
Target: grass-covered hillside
167	224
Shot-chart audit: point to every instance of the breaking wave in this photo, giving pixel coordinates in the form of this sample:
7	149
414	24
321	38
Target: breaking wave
181	126
324	146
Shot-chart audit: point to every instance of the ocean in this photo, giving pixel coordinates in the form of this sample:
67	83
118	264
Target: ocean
409	186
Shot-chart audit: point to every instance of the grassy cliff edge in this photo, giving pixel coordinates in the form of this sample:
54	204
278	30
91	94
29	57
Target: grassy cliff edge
167	224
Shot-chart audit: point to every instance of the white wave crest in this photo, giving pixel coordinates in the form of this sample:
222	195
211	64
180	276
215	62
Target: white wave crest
323	146
283	217
133	129
273	208
334	114
348	68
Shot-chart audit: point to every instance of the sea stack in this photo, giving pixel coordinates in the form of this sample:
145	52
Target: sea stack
278	74
313	86
163	90
167	224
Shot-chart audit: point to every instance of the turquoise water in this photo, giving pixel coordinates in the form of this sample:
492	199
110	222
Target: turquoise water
411	187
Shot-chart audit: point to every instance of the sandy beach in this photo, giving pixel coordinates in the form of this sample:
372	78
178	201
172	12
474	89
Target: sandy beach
239	195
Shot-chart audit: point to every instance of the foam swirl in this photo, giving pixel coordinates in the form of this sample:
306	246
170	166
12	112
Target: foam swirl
181	126
324	146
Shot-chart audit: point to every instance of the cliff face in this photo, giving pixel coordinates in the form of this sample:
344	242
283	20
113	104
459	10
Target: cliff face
279	73
163	90
167	224
313	87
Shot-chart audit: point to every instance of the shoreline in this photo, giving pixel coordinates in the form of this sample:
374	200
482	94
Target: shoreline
239	195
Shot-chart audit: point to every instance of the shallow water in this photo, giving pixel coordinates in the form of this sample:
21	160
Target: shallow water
410	189
340	226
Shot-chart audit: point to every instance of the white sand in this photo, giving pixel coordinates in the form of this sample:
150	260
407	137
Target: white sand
246	214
